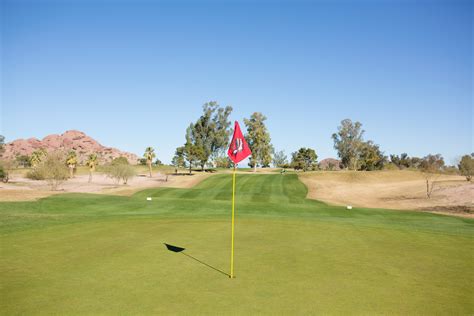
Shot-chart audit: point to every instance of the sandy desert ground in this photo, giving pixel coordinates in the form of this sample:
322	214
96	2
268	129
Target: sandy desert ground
391	189
23	189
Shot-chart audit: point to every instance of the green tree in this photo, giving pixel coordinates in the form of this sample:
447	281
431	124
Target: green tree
348	143
280	159
91	162
371	157
210	133
179	160
259	140
71	162
304	159
192	152
402	161
149	155
222	128
23	161
466	166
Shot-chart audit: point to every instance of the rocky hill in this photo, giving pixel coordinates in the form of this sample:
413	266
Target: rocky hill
70	140
330	164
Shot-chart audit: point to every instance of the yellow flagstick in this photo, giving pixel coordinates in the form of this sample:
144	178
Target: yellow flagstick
233	208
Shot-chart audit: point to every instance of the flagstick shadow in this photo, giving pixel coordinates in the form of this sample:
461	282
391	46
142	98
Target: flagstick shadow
181	250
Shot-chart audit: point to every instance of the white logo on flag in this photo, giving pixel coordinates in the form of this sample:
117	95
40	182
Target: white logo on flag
238	146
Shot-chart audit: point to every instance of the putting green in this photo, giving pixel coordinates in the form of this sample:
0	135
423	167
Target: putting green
93	254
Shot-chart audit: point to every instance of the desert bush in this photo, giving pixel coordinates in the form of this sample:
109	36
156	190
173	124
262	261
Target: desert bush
390	166
405	162
52	169
120	172
223	162
35	174
466	166
451	170
3	174
120	161
5	167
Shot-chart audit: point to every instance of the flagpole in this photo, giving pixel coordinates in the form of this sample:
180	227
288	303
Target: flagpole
233	209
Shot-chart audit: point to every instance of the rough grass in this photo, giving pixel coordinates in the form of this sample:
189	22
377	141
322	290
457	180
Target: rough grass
95	254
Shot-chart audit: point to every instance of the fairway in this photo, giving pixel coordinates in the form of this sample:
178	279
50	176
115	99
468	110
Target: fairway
97	254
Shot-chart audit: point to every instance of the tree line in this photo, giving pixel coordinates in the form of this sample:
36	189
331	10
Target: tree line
207	138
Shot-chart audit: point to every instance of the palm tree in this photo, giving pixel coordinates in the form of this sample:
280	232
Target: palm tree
71	162
149	155
91	163
37	156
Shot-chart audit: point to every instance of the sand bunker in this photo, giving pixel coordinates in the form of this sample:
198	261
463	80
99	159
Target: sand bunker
405	190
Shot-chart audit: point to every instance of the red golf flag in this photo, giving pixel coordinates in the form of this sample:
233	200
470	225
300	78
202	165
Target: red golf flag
238	149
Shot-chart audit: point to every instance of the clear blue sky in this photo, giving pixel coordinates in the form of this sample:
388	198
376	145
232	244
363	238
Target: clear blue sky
135	73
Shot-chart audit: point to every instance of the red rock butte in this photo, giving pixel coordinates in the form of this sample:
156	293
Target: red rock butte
69	140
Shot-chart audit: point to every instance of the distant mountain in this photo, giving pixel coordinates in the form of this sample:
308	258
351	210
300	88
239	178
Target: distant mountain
330	164
70	140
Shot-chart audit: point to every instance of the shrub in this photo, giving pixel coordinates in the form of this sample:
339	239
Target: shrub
52	169
3	174
119	161
451	170
120	172
5	167
223	162
466	166
390	166
35	174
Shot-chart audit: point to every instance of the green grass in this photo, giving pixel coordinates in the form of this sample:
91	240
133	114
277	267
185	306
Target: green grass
96	254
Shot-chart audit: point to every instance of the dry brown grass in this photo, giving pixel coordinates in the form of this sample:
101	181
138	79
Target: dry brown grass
390	189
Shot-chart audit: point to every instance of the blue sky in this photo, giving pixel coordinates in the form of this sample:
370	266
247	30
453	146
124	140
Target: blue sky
135	73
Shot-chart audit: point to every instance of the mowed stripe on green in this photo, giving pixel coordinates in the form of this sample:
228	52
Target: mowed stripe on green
96	254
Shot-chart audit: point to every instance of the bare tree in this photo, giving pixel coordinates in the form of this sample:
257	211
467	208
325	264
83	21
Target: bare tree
431	166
